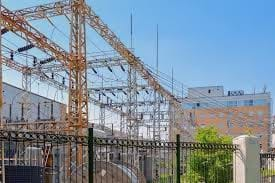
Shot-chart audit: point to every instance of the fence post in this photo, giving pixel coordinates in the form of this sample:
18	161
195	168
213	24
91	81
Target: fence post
178	158
91	155
246	162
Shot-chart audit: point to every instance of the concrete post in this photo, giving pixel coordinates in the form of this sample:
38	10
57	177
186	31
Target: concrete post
246	161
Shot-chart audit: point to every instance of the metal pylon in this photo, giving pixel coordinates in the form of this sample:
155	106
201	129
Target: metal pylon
132	122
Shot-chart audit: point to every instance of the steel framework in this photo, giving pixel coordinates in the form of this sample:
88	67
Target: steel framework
75	63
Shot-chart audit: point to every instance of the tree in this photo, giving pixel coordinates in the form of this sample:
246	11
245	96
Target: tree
209	165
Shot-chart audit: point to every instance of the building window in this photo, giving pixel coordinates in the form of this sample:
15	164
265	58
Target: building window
204	105
240	114
250	113
188	106
260	102
240	103
230	115
221	115
229	124
202	116
260	123
260	114
250	124
240	124
232	103
191	116
248	102
259	135
212	115
215	105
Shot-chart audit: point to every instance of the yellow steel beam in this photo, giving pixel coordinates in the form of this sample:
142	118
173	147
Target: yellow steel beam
46	10
110	37
22	28
75	61
64	7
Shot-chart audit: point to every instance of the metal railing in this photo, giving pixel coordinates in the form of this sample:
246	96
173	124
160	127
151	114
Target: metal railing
38	157
267	164
41	157
123	160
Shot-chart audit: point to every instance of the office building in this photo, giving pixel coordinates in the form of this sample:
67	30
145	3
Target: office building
234	112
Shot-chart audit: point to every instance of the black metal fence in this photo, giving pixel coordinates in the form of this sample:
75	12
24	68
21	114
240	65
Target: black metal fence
267	164
118	160
36	157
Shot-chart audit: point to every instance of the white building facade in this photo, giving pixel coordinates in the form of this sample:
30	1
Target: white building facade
21	106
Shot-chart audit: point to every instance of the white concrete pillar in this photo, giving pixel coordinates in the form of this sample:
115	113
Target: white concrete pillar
246	161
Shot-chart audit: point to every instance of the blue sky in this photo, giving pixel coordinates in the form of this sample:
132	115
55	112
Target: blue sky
207	42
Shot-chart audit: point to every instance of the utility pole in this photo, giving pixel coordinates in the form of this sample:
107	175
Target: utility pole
1	100
122	122
156	111
1	74
158	95
102	117
78	92
172	109
132	122
102	111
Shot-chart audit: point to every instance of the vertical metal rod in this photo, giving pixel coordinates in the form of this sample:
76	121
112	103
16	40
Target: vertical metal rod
157	50
172	80
91	154
10	112
1	77
22	111
158	96
121	124
178	158
52	110
38	111
182	91
131	43
3	159
112	129
132	124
